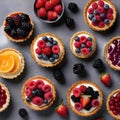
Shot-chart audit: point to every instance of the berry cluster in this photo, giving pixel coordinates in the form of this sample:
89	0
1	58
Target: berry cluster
83	44
47	49
114	52
85	98
3	96
114	104
18	26
38	92
48	9
100	14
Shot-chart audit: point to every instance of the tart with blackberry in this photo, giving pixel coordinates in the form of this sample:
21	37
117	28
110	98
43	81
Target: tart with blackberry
47	50
18	26
38	93
83	44
100	15
112	53
84	98
4	97
11	63
113	104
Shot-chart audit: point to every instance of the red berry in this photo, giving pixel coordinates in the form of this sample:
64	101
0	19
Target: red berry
90	10
100	9
3	101
3	96
110	11
115	112
112	107
2	91
58	9
41	44
83	88
39	84
46	88
118	95
55	2
46	50
78	106
110	16
42	13
85	51
52	15
77	44
48	95
39	4
48	5
38	50
101	24
98	18
89	43
94	5
31	84
76	92
101	3
83	39
95	102
28	92
94	23
55	49
37	101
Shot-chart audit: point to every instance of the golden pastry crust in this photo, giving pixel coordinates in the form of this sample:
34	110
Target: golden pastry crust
8	97
42	107
72	107
95	27
52	64
22	64
106	51
107	104
93	42
21	39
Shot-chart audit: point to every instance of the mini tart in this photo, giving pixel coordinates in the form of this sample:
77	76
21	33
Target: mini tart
83	44
105	16
112	53
11	63
111	100
47	50
29	93
80	92
4	97
23	27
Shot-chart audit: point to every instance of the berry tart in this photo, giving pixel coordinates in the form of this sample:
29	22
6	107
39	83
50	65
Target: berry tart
11	63
85	98
47	50
18	26
112	53
100	14
83	44
38	93
4	97
113	104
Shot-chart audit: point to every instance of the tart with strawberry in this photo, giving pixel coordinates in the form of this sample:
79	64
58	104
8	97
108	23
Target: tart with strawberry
4	97
38	93
11	63
18	26
100	15
83	44
113	104
112	53
47	50
84	98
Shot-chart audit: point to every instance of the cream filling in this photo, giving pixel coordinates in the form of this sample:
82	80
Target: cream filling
83	110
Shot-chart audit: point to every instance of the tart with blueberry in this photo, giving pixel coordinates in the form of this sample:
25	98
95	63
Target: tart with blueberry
47	50
11	63
83	44
84	98
112	53
113	104
38	93
4	97
100	15
18	26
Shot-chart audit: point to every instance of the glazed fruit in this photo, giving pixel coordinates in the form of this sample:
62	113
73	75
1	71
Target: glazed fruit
73	7
22	112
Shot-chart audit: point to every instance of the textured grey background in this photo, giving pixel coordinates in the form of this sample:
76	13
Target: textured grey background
32	68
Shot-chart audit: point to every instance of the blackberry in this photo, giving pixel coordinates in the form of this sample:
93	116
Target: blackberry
95	95
98	64
78	68
10	22
73	7
89	91
21	33
26	26
13	33
22	112
7	29
75	99
69	22
24	18
88	107
40	93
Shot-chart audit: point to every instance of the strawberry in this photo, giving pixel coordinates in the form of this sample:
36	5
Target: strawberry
105	79
62	110
84	100
48	5
58	9
42	13
55	2
39	4
52	15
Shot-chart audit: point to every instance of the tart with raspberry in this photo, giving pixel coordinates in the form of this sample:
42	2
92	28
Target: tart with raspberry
11	63
83	44
84	98
112	53
47	50
113	104
18	26
4	97
100	15
38	93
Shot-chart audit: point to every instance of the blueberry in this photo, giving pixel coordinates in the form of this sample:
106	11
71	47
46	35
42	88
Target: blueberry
94	19
49	44
102	15
22	112
28	99
76	38
56	56
40	56
106	6
95	12
45	101
7	29
90	49
51	59
90	16
89	38
106	21
40	93
77	50
45	57
54	42
45	39
34	92
50	39
83	45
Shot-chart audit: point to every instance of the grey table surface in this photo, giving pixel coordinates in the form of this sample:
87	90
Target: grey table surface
32	68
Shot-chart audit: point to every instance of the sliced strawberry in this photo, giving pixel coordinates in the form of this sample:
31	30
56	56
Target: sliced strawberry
83	88
39	4
41	44
31	84
78	106
37	101
94	5
83	39
46	88
46	50
48	95
77	44
76	92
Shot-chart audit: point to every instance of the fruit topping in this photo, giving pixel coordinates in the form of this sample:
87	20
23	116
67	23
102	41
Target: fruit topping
48	95
78	106
37	101
88	107
85	51
73	7
22	112
55	49
95	103
39	84
31	84
46	88
28	92
83	88
75	99
76	92
69	22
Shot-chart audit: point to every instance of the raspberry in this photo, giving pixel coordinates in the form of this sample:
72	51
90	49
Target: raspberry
39	84
55	49
100	9
41	44
48	95
28	92
94	23
77	44
101	3
110	11
83	88
89	43
90	11
101	24
16	19
78	106
38	50
46	50
83	39
37	101
98	18
31	85
110	16
95	102
94	5
46	88
85	51
76	92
